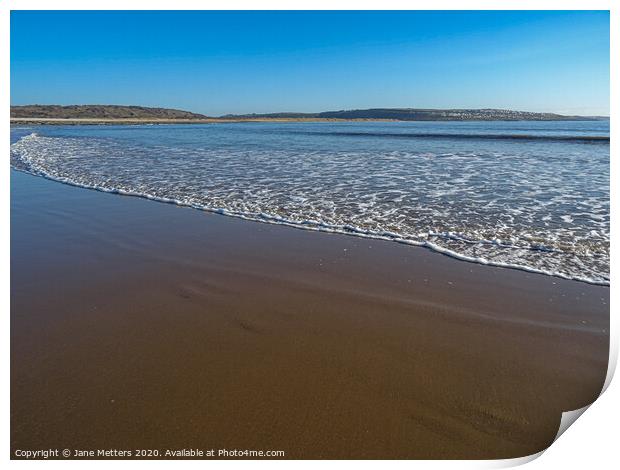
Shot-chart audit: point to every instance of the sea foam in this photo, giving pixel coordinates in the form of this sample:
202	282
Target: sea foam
537	206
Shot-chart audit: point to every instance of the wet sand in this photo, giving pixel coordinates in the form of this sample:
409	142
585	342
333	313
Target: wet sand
141	325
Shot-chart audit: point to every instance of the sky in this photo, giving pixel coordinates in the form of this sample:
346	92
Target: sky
219	63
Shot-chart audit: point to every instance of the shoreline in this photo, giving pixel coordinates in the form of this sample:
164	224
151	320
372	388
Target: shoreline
131	121
324	228
142	325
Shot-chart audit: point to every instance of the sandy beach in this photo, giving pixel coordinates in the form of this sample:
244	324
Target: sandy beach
142	325
141	121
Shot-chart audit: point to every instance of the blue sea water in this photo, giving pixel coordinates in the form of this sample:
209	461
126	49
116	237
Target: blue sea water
528	195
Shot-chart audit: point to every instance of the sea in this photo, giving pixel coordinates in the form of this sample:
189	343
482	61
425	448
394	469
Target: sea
531	195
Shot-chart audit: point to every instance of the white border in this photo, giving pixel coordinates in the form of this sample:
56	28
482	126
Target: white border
592	442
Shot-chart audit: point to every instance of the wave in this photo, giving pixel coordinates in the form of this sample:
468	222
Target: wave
453	244
418	135
22	163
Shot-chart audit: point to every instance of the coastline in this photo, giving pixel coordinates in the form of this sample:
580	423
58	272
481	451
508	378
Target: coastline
130	121
145	325
138	121
325	228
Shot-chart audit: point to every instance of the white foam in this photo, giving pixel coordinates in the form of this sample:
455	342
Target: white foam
326	192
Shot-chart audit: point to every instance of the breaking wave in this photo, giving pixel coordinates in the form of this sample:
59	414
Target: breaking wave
532	211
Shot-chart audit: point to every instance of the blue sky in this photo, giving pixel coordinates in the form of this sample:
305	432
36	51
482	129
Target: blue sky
242	62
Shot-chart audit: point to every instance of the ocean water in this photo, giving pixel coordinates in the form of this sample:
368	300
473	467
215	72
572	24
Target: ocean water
527	195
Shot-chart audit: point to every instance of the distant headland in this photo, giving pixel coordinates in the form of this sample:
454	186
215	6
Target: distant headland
94	114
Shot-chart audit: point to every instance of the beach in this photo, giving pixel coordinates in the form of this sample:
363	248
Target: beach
142	121
142	325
